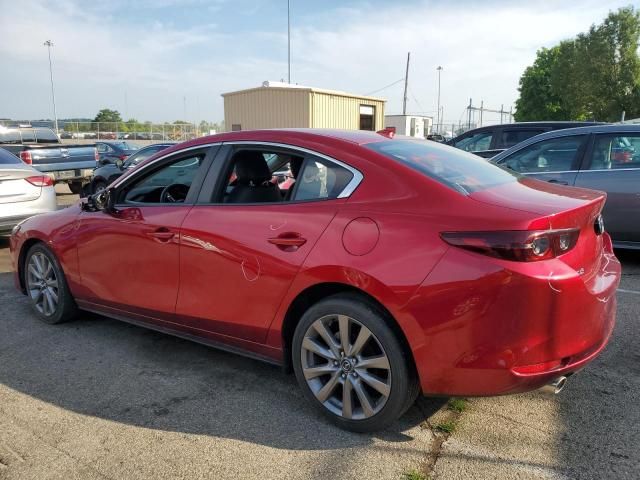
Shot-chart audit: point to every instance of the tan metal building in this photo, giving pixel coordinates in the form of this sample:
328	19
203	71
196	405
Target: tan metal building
280	105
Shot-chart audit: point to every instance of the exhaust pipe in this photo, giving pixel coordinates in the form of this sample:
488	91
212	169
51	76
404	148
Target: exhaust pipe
558	385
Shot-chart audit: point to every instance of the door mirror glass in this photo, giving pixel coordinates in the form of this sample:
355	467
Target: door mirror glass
119	163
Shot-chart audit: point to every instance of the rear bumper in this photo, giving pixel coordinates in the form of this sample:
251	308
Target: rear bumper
497	327
13	213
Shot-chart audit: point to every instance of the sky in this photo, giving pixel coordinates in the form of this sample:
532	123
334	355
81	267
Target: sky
163	60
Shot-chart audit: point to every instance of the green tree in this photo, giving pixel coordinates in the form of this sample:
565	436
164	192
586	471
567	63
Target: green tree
537	99
593	76
107	115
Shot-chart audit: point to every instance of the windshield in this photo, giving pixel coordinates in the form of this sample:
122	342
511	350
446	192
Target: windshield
8	158
127	145
141	155
464	172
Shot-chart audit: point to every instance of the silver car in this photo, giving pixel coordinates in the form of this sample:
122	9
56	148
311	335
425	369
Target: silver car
603	157
24	192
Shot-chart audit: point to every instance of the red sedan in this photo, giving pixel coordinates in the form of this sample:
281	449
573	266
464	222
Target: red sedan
390	267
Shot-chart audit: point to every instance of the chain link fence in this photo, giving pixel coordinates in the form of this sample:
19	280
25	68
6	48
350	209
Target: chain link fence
120	130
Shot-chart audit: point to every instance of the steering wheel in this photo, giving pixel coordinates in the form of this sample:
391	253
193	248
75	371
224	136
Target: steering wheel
174	193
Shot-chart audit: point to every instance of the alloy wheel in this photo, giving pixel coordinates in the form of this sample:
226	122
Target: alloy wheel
346	367
42	284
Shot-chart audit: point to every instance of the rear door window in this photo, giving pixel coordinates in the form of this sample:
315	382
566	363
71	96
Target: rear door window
511	137
611	152
553	155
461	171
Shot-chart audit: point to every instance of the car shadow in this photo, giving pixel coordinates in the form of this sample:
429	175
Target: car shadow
115	371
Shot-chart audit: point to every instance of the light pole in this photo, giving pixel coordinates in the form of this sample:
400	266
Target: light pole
49	44
289	40
439	69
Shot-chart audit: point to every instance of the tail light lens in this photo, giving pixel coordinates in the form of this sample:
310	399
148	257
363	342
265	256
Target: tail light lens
122	157
40	181
95	154
25	156
517	245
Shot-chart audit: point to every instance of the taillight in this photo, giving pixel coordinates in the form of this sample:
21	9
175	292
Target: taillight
95	154
122	157
517	245
40	181
25	156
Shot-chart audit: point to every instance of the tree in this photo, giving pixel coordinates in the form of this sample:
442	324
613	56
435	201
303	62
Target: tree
107	115
537	99
594	76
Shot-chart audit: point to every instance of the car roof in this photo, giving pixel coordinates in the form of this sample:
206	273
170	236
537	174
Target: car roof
291	135
567	132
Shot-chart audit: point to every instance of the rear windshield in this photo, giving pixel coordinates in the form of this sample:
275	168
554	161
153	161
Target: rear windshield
45	135
464	172
8	158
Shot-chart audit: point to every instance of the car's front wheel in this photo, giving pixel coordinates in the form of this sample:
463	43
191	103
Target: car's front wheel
350	364
99	186
47	287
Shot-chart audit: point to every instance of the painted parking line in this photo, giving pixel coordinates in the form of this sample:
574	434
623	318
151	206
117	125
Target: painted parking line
635	292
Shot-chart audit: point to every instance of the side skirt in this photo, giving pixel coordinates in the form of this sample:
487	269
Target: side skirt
209	342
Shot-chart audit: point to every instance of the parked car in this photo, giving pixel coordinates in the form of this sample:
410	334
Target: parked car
41	148
24	192
488	141
436	137
603	157
393	267
109	152
106	174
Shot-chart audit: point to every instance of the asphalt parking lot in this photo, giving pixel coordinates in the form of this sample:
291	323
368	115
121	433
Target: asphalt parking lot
102	399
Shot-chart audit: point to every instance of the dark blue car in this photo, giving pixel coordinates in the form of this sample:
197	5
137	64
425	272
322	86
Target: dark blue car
107	173
111	151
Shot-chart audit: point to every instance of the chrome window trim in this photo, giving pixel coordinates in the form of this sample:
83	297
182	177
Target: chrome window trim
581	171
159	159
346	192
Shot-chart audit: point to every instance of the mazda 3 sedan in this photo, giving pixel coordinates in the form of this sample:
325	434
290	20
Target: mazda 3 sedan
388	268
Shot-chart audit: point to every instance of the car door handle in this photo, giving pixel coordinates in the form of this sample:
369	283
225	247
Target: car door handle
558	182
162	234
289	241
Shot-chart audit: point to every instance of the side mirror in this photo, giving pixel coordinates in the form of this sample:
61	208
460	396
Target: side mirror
119	164
104	200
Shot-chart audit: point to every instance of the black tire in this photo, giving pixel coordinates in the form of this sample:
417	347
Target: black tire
75	187
65	308
402	381
99	185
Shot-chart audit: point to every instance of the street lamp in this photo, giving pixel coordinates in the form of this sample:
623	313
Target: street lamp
289	41
49	44
439	69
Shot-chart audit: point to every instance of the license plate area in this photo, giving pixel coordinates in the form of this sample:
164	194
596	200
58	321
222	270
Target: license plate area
63	174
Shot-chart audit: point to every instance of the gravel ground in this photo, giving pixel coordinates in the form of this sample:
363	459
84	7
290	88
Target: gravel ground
102	399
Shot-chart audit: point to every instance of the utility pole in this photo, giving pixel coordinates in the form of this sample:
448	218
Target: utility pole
406	85
289	40
469	110
481	111
49	44
439	69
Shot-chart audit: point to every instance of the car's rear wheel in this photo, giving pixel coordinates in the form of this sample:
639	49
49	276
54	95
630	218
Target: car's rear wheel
75	187
47	287
350	364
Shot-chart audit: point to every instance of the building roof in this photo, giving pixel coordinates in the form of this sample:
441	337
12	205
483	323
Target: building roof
269	85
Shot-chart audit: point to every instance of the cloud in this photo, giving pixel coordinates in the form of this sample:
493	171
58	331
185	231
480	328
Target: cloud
161	51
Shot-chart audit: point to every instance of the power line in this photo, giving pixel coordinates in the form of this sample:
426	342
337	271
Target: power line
385	87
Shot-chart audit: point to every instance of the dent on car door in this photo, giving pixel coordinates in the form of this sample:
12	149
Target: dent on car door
555	160
129	258
612	164
237	260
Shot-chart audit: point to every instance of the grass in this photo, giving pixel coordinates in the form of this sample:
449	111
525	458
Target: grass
458	405
446	427
414	475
